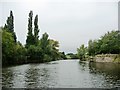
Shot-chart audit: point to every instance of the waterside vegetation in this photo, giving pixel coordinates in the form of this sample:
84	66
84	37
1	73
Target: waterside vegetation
107	45
44	49
36	50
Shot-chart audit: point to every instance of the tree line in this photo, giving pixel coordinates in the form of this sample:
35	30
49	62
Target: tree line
109	43
34	51
44	49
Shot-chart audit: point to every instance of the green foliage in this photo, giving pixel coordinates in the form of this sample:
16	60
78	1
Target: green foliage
10	26
7	46
107	44
10	22
44	43
71	56
34	53
81	52
32	39
36	30
47	58
30	36
46	50
11	51
93	47
110	42
20	53
49	48
35	50
62	55
54	51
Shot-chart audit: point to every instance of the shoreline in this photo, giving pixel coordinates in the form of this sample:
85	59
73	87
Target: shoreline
105	58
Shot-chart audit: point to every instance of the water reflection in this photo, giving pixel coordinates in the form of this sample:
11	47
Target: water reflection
31	77
111	72
44	77
83	65
7	80
62	74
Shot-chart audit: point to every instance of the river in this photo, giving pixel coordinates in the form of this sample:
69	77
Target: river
62	74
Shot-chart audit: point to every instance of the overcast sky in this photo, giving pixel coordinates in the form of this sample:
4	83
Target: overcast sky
71	22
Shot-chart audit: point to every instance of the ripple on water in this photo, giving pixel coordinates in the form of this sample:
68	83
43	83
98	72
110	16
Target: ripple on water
61	74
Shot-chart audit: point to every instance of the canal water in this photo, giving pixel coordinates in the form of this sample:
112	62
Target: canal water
62	74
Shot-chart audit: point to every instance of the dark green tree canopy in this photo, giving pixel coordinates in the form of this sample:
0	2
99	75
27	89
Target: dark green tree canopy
30	37
36	30
35	50
44	42
10	25
107	44
10	22
81	52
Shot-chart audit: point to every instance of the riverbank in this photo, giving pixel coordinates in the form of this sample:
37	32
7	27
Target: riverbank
114	58
27	61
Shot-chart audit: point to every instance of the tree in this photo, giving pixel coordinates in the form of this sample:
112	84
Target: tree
111	42
81	52
12	53
62	55
90	47
20	53
44	42
30	37
94	47
10	26
54	51
71	56
49	48
34	53
10	22
7	47
36	30
108	43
